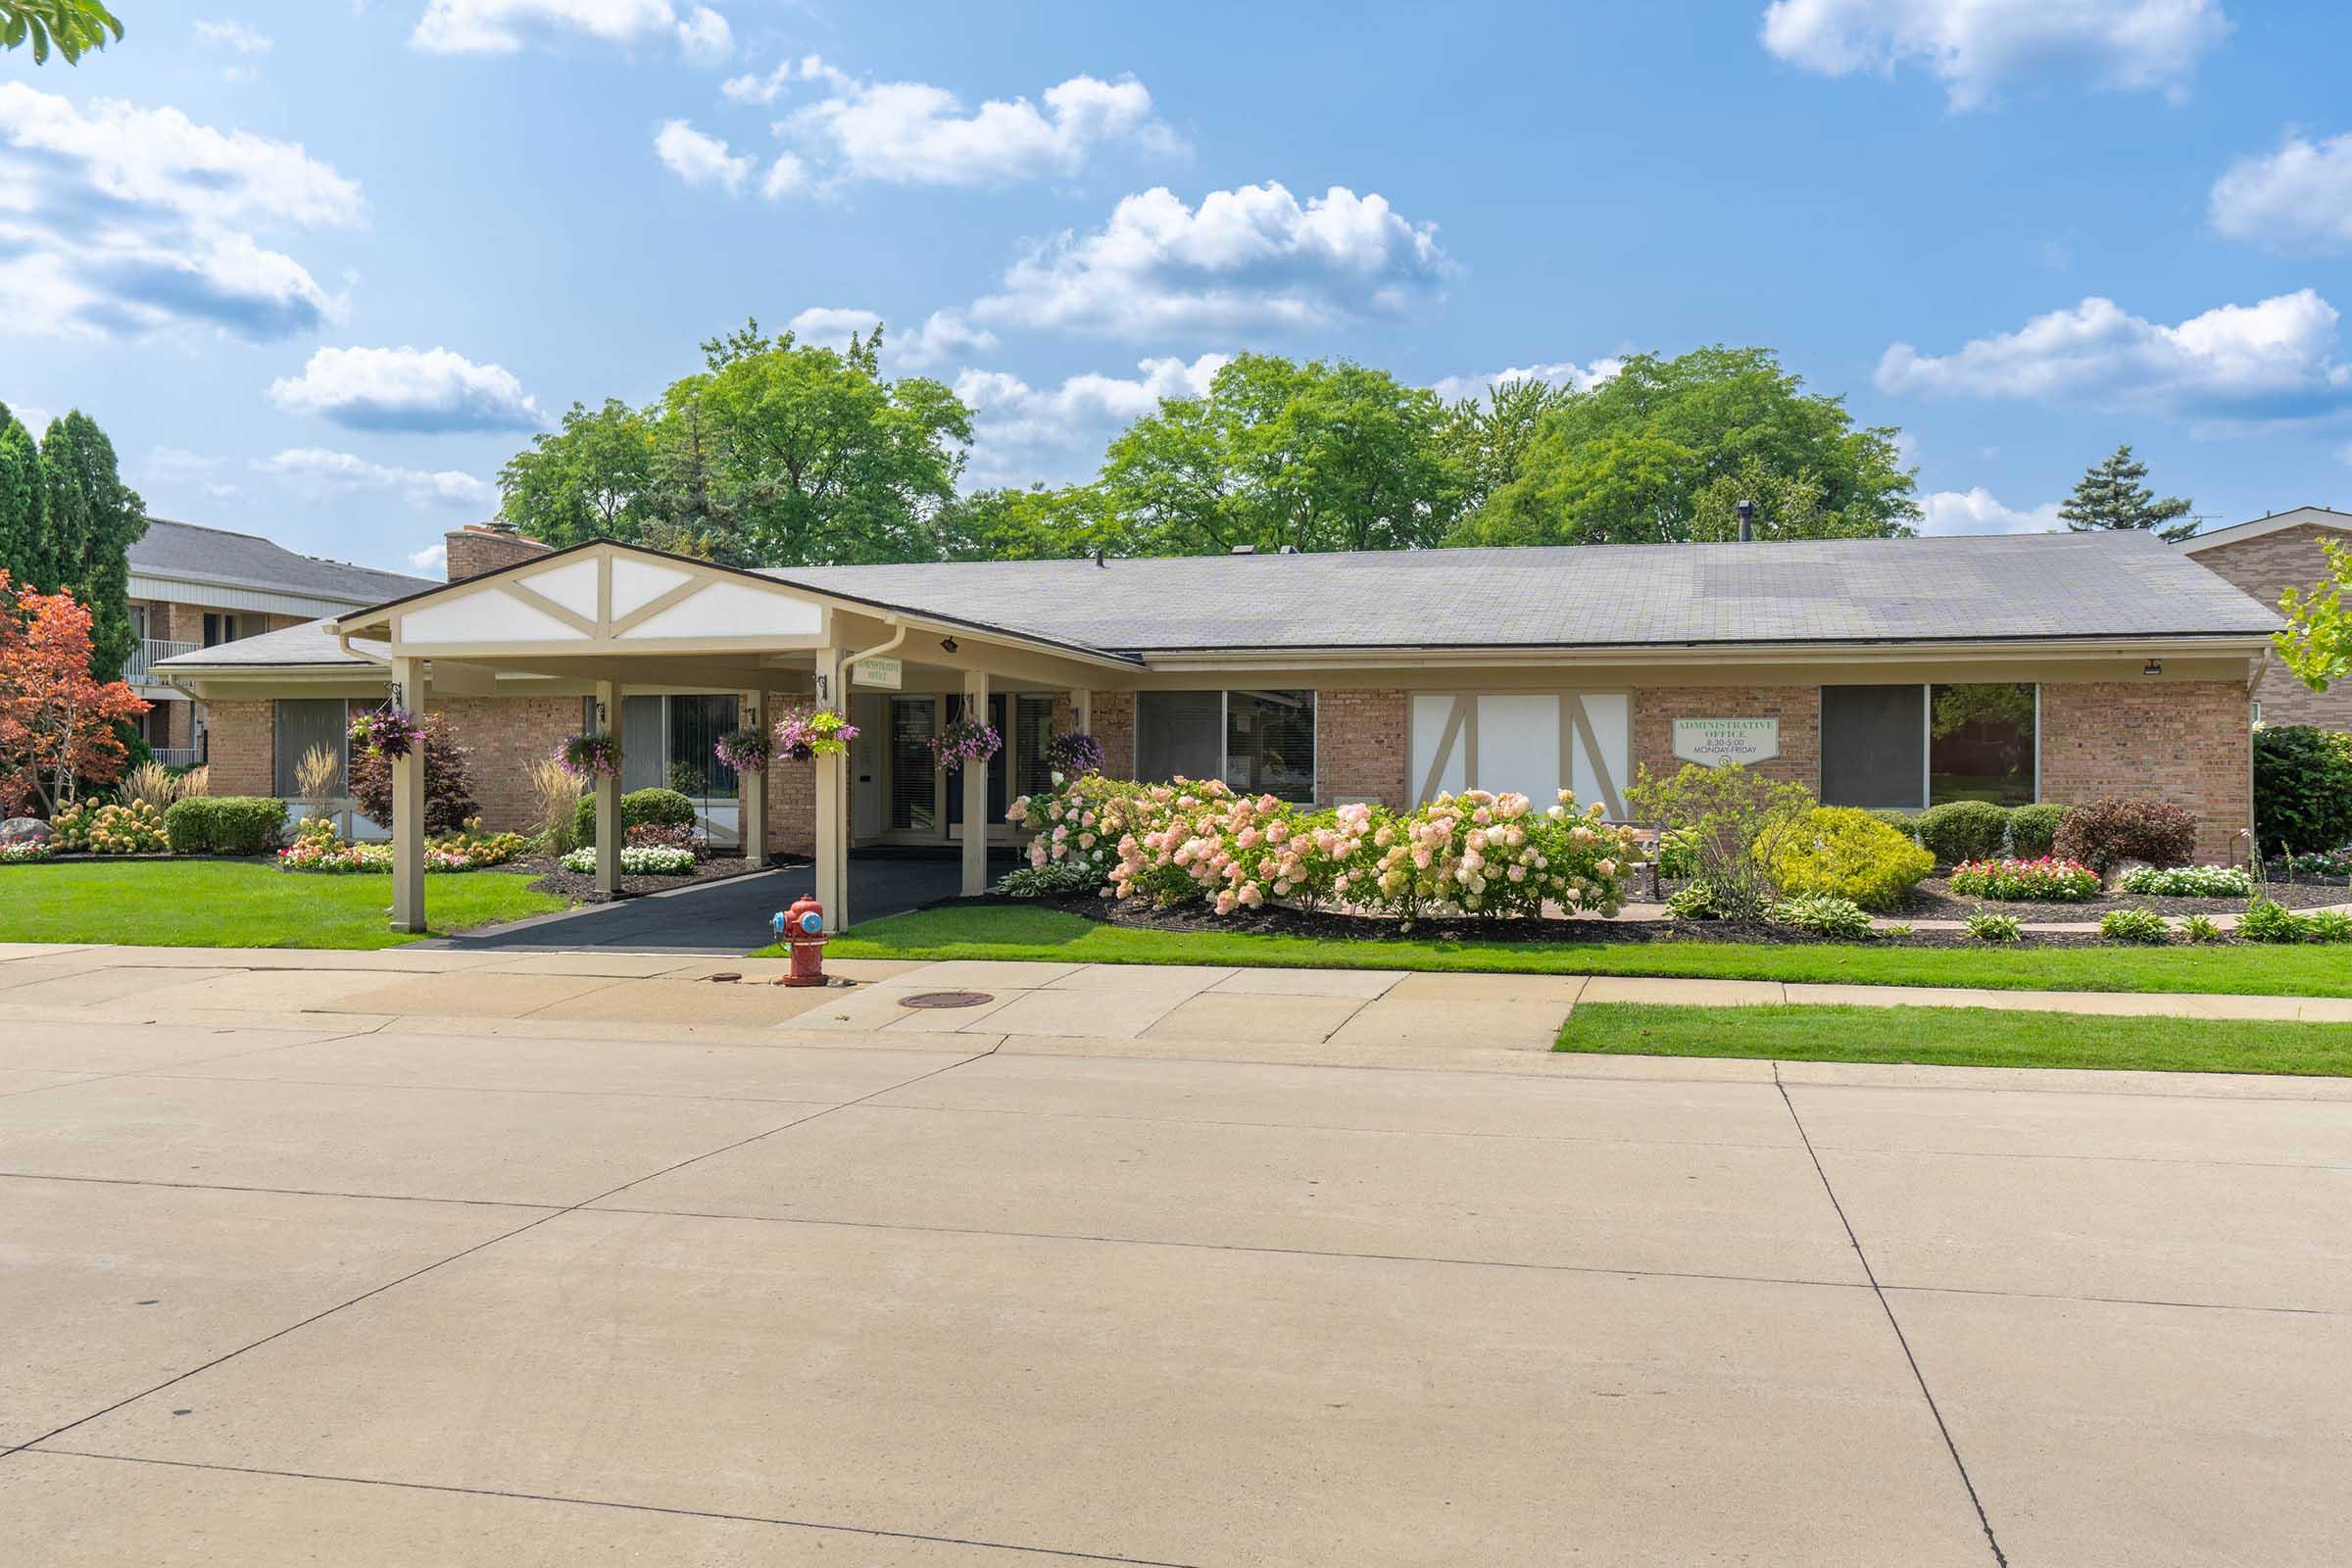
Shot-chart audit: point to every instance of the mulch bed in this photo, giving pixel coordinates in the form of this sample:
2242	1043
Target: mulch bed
581	885
1934	900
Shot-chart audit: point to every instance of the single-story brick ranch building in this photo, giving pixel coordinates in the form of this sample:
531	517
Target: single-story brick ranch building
1879	673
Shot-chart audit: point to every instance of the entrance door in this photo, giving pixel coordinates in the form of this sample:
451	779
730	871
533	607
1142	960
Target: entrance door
870	715
913	783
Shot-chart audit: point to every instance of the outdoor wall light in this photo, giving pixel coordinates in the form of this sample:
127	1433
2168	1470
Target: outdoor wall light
2154	666
947	643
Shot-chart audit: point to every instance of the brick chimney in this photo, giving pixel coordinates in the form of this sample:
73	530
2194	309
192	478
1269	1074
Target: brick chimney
481	547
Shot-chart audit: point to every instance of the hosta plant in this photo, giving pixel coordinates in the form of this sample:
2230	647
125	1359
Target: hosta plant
2328	925
2189	881
1822	915
1986	926
2048	880
2267	920
637	860
2202	929
2133	925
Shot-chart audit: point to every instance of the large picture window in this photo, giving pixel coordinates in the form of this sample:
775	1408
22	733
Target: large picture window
1921	746
1259	742
304	723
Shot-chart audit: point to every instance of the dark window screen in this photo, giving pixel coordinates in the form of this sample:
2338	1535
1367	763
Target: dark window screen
1872	740
1178	734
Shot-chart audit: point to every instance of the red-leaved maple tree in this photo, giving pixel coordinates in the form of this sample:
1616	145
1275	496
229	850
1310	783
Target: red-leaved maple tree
56	721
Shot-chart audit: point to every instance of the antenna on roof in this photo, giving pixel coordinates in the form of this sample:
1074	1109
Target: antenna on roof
1098	561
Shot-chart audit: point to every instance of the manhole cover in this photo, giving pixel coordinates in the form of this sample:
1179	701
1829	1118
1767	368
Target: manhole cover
947	999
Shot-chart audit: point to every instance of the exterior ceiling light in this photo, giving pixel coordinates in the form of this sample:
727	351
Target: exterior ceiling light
947	644
2154	666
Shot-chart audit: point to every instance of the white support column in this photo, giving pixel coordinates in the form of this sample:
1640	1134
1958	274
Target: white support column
975	792
751	807
609	832
1082	709
408	808
833	799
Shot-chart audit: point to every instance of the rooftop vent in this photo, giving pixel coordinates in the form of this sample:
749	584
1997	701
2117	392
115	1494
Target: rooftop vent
1244	550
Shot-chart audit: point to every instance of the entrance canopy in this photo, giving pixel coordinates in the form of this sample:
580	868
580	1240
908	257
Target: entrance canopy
614	616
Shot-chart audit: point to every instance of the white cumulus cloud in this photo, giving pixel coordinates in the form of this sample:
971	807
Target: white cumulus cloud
168	473
1973	46
229	33
430	559
1254	257
1022	433
1974	511
502	26
914	133
122	220
319	473
407	389
943	335
699	159
1564	372
2273	360
2297	198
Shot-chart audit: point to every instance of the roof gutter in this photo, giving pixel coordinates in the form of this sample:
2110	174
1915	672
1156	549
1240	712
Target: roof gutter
1409	656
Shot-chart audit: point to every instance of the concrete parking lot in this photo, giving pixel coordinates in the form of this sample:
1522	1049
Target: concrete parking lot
492	1290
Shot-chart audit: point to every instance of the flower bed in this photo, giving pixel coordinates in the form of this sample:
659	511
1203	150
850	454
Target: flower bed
317	849
1475	855
2325	863
2048	880
25	853
636	859
2189	881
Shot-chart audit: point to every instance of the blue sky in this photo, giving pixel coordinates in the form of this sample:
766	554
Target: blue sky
320	268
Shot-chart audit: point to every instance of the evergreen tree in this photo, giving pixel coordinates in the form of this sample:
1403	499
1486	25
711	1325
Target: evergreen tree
2110	496
23	507
92	519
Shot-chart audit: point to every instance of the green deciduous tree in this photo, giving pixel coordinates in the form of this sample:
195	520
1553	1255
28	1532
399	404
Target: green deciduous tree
71	25
1317	456
24	543
1487	437
2317	644
90	520
1033	524
1660	452
2111	496
592	478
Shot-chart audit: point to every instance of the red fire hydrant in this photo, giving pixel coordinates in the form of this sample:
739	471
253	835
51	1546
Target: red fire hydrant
803	929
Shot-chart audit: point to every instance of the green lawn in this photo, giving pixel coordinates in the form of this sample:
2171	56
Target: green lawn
1001	931
1961	1037
238	903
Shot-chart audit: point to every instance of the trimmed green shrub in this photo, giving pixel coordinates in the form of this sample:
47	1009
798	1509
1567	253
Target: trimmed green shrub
2034	829
1823	915
2104	832
2133	925
1986	926
1904	822
225	824
2302	788
1963	830
1844	853
656	807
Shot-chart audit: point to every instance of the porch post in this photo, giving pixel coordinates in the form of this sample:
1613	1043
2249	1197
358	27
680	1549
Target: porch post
609	832
1082	709
408	808
975	792
833	799
750	814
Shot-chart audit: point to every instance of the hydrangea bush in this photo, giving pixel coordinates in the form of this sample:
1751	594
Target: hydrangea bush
2044	881
1197	840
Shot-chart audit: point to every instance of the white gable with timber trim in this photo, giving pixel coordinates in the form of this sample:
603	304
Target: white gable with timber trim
605	599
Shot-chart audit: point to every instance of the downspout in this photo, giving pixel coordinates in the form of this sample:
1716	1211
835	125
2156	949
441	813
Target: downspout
877	651
2261	667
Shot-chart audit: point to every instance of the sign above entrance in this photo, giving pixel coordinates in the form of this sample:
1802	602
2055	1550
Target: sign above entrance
887	673
1717	741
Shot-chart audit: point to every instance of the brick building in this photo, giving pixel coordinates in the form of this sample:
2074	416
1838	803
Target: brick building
1877	673
2266	557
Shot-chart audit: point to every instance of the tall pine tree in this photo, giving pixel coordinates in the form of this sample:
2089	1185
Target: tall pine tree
91	521
2110	496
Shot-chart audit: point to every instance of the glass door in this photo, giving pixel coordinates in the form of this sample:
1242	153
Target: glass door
913	782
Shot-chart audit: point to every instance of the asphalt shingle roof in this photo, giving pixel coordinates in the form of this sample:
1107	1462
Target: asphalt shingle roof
1842	590
243	559
1858	591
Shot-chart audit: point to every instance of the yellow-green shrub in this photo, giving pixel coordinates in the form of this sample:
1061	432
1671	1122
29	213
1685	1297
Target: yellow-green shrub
1844	853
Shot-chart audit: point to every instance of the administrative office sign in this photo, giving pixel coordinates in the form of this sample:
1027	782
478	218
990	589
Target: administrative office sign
1717	741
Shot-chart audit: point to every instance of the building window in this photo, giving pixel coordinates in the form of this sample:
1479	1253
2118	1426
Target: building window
303	723
1921	746
1259	742
1031	728
1981	742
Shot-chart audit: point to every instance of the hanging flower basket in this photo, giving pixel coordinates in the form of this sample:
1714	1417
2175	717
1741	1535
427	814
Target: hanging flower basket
743	749
589	757
1074	756
805	737
965	739
387	732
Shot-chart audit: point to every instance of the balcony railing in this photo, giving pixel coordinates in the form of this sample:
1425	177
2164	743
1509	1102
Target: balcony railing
139	671
177	756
